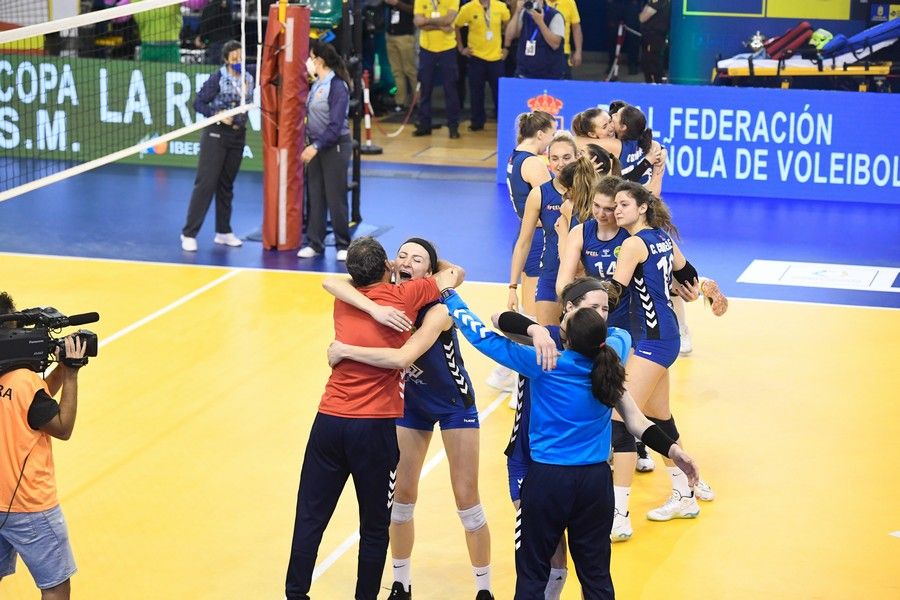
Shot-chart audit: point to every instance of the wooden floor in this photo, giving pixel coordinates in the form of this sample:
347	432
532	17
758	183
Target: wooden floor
472	149
181	477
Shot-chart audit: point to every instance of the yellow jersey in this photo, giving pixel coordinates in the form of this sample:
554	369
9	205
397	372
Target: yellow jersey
485	28
569	10
435	40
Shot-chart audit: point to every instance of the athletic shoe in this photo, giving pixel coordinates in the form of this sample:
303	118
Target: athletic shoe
454	132
621	528
308	252
702	491
342	255
503	379
188	244
397	592
421	131
473	127
228	239
714	296
645	463
686	345
484	595
676	507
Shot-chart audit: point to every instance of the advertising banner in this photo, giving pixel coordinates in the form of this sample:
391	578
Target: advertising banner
771	143
78	109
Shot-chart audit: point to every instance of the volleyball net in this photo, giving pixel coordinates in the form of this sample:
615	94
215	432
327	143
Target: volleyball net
81	90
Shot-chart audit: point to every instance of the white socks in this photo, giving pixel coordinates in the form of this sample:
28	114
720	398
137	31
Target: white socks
402	570
482	578
679	481
622	493
555	585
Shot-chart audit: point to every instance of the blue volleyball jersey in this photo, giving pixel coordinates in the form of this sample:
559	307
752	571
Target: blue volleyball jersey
599	259
519	447
551	200
518	187
650	287
439	378
630	157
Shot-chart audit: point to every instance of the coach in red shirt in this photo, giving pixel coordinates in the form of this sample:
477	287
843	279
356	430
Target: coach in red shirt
354	433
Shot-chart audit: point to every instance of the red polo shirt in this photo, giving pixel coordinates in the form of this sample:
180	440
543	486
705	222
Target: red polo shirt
361	391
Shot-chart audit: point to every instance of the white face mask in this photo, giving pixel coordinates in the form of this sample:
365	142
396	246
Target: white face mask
311	66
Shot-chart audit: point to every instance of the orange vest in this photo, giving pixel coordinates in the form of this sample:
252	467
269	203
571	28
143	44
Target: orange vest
37	488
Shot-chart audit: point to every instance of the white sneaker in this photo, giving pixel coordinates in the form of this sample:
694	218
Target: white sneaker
228	239
342	255
702	491
676	507
686	345
644	465
188	244
621	528
503	379
308	252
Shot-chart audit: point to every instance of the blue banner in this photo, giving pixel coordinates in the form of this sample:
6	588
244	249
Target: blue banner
770	143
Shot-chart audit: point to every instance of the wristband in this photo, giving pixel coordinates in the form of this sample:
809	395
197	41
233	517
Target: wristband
514	286
655	438
515	323
447	292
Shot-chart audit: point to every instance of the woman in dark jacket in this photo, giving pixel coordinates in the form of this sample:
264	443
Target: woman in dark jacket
327	154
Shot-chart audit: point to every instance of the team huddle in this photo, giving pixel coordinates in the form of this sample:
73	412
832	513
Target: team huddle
591	342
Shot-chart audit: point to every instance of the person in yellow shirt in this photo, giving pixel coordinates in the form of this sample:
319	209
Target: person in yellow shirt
573	38
486	20
437	53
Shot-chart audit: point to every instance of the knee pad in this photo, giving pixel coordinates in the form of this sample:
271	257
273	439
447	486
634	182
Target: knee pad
473	518
667	426
402	513
622	441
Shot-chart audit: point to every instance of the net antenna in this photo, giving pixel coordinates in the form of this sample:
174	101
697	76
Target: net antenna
112	92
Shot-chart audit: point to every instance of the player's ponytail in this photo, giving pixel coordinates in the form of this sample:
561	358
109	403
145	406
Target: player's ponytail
636	127
578	178
529	124
586	334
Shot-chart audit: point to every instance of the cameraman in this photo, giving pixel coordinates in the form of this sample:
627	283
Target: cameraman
31	522
541	31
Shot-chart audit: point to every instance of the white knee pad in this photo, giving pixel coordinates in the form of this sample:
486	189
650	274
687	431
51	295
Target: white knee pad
402	513
473	518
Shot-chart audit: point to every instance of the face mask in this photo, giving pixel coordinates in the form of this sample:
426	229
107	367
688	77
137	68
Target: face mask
236	67
311	66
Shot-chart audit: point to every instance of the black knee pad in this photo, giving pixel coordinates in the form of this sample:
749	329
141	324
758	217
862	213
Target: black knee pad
667	427
622	440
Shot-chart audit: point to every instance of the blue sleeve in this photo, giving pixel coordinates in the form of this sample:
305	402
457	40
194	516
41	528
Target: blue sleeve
521	359
620	341
338	101
206	95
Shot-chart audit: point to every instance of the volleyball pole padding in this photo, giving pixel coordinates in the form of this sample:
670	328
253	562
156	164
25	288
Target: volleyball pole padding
283	89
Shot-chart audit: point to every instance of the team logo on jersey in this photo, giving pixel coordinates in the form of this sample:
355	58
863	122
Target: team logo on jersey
412	372
616	251
592	253
605	252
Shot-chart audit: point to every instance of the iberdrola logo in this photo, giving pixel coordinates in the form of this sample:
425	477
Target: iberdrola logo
160	148
548	104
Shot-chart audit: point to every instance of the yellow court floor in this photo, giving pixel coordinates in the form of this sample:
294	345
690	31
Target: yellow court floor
181	477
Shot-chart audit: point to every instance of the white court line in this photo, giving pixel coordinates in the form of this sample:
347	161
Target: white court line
351	540
896	534
168	308
331	273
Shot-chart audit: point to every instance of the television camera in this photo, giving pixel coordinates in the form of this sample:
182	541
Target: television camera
33	343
